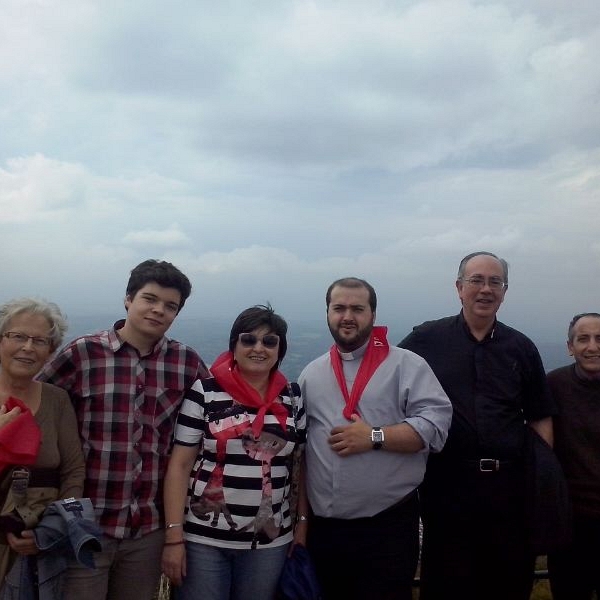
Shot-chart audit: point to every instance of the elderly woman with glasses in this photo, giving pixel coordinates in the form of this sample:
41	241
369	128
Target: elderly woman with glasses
227	488
41	459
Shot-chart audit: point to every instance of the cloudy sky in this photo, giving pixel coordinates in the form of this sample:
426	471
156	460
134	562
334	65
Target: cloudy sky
269	147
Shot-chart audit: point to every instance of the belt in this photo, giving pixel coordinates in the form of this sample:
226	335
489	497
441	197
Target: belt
488	465
37	477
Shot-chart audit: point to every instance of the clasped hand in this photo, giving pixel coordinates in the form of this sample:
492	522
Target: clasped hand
24	545
352	438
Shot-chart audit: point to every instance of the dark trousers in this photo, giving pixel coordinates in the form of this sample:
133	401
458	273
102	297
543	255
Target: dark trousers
474	537
575	570
368	558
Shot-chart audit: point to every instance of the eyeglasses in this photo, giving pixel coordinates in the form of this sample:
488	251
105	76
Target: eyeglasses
495	283
249	340
21	338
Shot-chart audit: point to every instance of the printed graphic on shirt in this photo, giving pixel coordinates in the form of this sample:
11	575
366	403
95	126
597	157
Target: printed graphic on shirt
267	523
223	425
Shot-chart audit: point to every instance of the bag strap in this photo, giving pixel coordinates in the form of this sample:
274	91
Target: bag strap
295	462
294	403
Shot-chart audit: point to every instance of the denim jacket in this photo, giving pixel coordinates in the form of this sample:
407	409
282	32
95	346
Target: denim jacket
67	530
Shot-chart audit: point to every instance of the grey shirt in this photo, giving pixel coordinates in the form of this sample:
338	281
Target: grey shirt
403	389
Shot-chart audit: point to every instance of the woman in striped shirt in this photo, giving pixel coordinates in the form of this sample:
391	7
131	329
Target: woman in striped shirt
228	484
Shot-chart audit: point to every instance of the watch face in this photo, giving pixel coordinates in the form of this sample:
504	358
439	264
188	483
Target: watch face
377	436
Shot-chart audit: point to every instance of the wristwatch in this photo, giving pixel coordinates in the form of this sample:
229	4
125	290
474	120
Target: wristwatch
377	438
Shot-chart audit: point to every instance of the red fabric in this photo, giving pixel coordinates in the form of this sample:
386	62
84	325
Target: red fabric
377	351
19	440
228	376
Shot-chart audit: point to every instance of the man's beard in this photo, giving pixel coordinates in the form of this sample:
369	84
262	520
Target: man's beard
360	337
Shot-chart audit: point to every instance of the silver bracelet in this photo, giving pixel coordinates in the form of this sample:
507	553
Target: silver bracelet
171	525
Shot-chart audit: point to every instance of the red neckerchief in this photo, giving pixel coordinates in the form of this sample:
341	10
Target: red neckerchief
228	376
20	439
377	350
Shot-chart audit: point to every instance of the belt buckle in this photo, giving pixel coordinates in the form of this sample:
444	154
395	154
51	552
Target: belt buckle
489	465
19	484
20	477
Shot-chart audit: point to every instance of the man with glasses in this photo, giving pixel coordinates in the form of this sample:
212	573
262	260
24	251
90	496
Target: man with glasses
473	502
374	413
126	384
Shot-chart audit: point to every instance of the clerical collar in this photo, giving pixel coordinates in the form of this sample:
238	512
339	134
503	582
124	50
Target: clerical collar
358	353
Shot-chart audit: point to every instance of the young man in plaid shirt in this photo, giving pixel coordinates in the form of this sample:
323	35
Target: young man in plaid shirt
126	384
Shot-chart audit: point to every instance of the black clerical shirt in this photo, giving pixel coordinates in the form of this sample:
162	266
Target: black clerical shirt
495	385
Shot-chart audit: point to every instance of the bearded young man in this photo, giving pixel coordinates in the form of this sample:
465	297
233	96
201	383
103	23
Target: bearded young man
374	413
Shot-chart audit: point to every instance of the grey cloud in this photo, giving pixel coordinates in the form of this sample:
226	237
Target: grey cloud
171	237
293	143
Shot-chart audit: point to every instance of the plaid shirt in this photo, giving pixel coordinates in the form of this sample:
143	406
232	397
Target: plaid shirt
126	407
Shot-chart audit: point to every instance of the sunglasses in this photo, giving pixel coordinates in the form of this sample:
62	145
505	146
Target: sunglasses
249	340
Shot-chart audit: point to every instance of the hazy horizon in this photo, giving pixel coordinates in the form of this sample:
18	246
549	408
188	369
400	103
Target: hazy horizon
307	338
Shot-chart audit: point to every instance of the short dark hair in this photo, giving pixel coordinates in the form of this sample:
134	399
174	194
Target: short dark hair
353	282
161	272
571	331
260	316
468	257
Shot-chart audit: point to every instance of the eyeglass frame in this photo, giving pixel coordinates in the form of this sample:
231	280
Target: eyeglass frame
268	345
480	282
23	338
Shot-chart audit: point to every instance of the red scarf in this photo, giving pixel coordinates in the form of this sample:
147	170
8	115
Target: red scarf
377	351
228	376
20	439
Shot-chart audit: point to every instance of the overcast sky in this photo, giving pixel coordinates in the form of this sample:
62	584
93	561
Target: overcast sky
269	147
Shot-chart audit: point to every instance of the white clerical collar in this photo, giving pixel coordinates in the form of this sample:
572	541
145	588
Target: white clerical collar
358	353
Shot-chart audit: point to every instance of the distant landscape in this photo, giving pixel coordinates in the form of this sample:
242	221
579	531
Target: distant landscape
306	340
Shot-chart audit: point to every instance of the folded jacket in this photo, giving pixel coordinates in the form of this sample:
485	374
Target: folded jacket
69	526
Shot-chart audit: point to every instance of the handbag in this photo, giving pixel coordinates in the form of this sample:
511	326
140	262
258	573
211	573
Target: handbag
298	579
548	506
